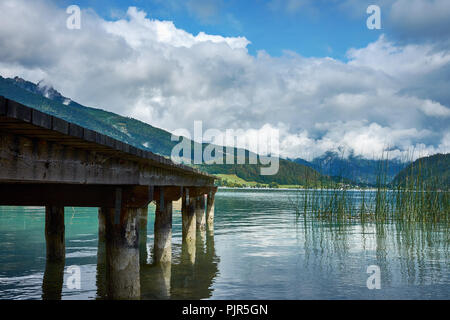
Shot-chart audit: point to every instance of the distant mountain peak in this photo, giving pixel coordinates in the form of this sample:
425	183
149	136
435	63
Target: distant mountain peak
47	90
354	167
43	88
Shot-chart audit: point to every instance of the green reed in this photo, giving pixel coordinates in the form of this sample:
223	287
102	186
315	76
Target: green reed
416	199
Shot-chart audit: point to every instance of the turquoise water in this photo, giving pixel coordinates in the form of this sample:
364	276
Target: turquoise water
258	251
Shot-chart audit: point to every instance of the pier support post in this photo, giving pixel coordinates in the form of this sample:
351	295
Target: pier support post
122	253
54	233
200	212
210	209
163	229
142	216
189	226
55	251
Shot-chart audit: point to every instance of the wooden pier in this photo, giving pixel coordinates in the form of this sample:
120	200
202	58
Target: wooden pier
47	161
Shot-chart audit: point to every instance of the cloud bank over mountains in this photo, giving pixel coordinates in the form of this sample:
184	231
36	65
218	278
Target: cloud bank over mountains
386	96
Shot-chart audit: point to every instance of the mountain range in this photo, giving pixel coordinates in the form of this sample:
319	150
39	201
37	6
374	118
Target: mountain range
138	133
355	168
328	167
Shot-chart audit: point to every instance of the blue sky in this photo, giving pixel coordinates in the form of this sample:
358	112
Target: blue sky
322	28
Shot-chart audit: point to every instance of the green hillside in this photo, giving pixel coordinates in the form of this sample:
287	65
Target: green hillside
289	173
138	133
129	130
431	172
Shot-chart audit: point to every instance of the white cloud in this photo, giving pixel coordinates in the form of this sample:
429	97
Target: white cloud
168	77
411	60
139	32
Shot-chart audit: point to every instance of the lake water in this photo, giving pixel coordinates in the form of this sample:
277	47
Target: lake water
258	250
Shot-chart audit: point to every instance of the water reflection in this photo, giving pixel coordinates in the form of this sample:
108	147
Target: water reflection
411	253
53	281
101	268
265	253
190	278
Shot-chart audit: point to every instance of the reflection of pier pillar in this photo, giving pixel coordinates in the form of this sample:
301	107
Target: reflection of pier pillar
122	253
210	247
210	209
53	280
163	229
188	251
54	233
162	283
156	281
101	255
142	216
101	225
200	212
200	244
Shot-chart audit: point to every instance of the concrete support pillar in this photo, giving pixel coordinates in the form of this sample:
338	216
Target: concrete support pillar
163	229
188	217
55	251
142	216
200	203
189	227
54	233
122	253
210	210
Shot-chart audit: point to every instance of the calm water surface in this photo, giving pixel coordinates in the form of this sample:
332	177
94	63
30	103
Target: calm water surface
257	251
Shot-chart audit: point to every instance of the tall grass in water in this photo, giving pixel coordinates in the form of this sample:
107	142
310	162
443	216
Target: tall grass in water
420	197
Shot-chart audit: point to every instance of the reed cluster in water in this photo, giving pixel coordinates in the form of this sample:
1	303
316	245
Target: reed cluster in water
418	197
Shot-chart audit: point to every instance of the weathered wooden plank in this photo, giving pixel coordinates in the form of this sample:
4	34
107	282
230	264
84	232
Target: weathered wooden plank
89	135
100	139
110	142
18	125
121	146
74	139
2	106
60	125
140	153
76	130
18	111
25	159
133	150
41	119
